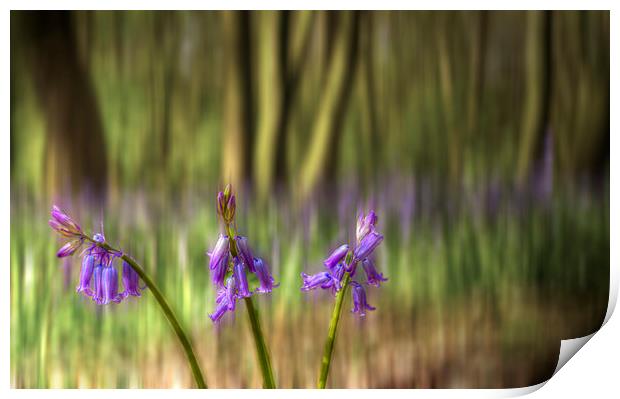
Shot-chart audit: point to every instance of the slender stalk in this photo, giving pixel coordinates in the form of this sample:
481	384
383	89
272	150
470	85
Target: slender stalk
183	338
331	334
261	347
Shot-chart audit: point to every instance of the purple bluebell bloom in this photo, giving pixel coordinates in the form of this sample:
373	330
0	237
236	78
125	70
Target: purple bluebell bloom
219	261
243	261
245	253
367	245
321	279
131	281
64	225
242	279
231	292
336	256
343	261
220	253
97	284
266	280
222	306
109	285
372	276
360	305
69	248
86	273
365	224
98	274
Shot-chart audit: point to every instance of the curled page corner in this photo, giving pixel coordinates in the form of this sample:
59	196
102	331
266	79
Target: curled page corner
568	348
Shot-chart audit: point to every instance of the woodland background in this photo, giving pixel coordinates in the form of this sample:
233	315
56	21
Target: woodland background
481	138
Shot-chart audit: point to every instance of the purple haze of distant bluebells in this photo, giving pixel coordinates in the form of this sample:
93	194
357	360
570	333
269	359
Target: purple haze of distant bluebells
344	260
231	260
98	274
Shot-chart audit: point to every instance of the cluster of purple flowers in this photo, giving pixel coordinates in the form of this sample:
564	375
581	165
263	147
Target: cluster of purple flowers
342	260
231	260
98	275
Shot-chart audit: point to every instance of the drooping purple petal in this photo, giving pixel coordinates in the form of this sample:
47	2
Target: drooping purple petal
265	279
242	279
245	253
360	304
97	284
336	256
131	281
219	261
86	273
231	290
321	279
367	245
222	306
372	276
220	253
109	283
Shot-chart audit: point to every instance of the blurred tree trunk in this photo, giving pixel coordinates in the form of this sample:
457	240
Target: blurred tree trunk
322	154
296	35
476	75
283	44
537	90
270	99
75	155
238	112
370	93
447	91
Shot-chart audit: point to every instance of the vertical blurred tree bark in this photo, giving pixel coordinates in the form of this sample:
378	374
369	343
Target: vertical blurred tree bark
269	107
284	39
238	112
322	154
75	155
537	90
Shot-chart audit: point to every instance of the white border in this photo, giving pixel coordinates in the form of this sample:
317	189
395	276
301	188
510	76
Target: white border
592	371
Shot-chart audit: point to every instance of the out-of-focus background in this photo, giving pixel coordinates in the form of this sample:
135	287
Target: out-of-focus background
480	138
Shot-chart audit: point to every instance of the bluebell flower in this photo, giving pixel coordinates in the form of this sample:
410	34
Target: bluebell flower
219	261
336	256
360	305
343	260
367	245
266	280
222	305
109	285
372	276
231	292
321	279
86	273
245	253
98	274
242	279
234	273
131	281
365	224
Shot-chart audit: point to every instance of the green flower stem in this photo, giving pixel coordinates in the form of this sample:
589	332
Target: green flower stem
261	346
331	334
183	338
259	339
